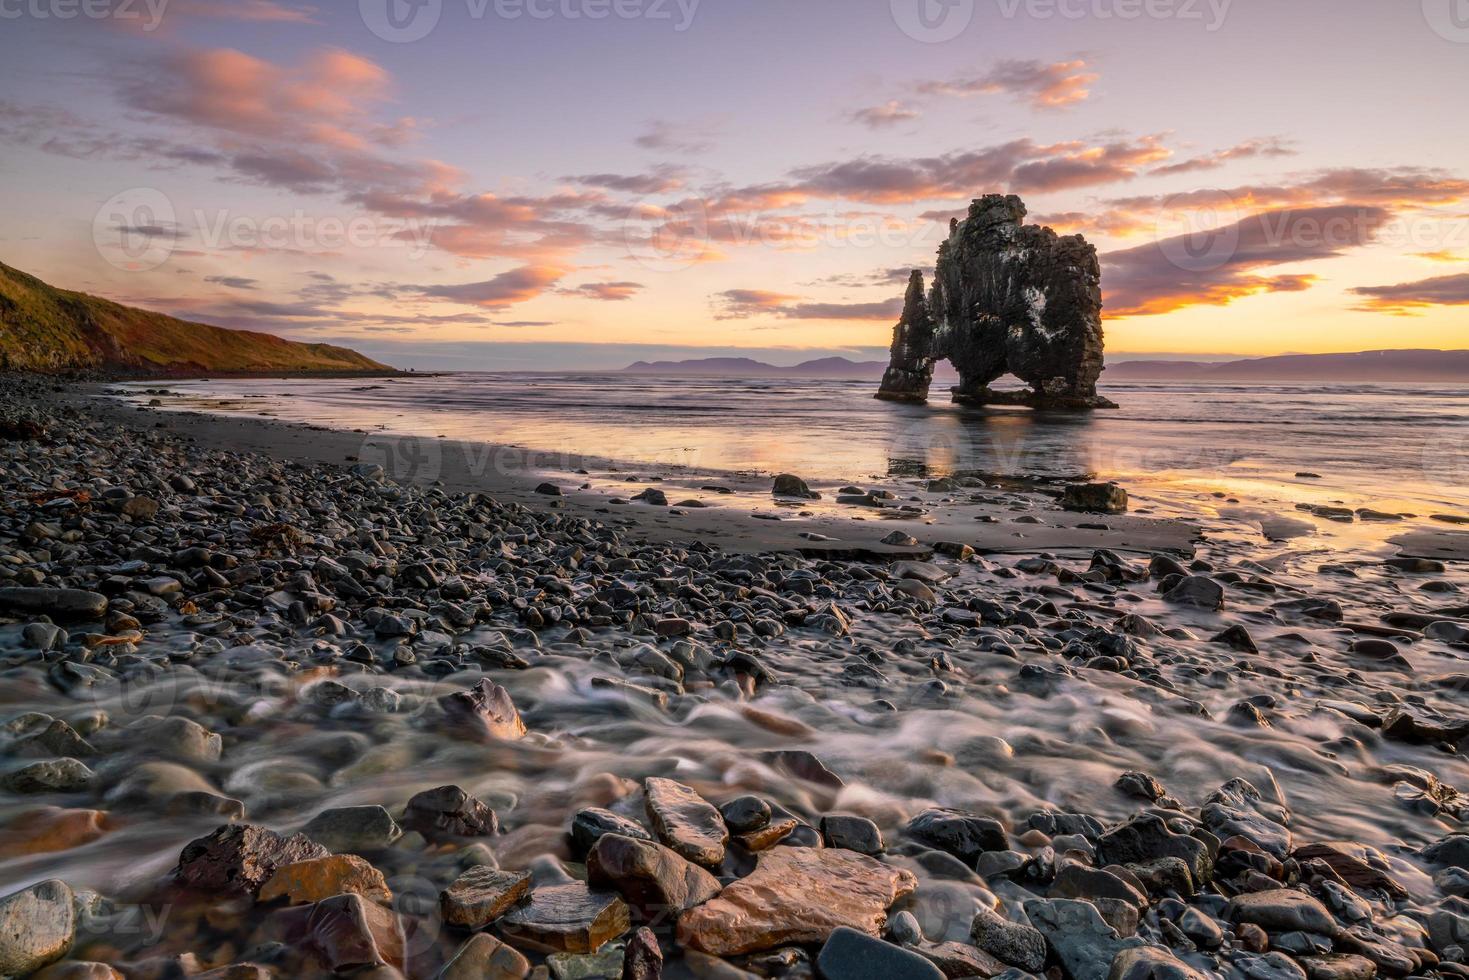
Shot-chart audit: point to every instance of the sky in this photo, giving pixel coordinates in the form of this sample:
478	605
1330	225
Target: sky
583	183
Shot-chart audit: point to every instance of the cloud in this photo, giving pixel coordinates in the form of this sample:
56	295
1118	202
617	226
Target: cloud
506	289
741	304
1442	255
1408	298
605	291
668	137
1042	85
661	180
320	101
891	276
885	116
234	282
1270	146
1021	166
1216	267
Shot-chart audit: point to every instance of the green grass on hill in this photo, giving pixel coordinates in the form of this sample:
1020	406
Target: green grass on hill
52	330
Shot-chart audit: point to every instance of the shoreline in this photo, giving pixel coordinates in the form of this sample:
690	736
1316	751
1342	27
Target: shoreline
727	520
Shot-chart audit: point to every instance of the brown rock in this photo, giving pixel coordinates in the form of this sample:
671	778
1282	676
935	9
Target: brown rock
1357	864
448	814
239	858
236	971
48	829
1150	963
796	895
483	957
685	821
768	836
643	958
960	959
318	879
1338	966
481	895
485	713
651	878
346	932
570	918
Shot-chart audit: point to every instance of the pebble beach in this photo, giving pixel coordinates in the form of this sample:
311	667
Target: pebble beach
271	708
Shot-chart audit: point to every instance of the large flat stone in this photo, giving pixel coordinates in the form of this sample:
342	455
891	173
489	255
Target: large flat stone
570	918
685	821
481	895
796	895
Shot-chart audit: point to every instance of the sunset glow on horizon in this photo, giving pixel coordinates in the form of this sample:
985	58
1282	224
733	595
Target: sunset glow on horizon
1259	178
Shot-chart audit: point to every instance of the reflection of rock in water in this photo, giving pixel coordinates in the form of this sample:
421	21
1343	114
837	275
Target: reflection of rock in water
907	467
1006	297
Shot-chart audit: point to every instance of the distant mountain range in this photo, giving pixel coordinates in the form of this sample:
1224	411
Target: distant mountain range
1380	365
56	331
1370	365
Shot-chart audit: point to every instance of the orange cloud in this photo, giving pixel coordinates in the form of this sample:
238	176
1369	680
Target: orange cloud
1218	266
506	289
1409	298
1264	147
1045	86
741	304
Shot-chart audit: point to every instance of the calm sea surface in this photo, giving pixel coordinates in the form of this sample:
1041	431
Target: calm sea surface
1372	444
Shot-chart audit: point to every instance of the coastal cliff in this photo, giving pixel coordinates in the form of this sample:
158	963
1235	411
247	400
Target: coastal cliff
56	331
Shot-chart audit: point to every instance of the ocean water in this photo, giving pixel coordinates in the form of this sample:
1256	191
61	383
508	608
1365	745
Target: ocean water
1387	446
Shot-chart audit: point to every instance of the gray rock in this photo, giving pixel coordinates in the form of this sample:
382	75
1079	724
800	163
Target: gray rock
1078	936
1282	910
852	955
1015	943
60	604
1150	963
790	485
37	926
353	829
590	823
49	776
1095	498
1197	590
1452	851
853	833
964	835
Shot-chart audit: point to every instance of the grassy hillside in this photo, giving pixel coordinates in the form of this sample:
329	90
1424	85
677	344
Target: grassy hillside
52	330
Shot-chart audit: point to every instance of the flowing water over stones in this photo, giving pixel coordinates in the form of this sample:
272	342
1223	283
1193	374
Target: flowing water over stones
288	719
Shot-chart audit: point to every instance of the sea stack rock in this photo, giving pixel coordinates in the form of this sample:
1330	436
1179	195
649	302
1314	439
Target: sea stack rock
1007	297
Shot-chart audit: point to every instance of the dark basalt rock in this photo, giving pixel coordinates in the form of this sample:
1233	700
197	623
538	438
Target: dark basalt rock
1006	297
239	858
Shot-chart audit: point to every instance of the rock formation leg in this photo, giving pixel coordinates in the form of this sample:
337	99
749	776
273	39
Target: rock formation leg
910	364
